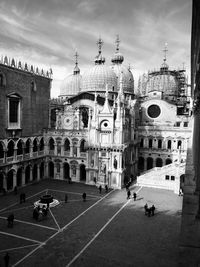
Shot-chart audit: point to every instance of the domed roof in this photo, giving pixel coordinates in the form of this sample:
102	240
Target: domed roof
71	85
162	81
96	78
119	69
100	75
127	77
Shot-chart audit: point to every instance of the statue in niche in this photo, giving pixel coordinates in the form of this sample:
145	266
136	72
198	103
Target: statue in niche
115	162
103	167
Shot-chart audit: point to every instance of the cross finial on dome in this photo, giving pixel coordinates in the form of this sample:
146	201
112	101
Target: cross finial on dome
100	44
76	57
165	52
117	42
76	68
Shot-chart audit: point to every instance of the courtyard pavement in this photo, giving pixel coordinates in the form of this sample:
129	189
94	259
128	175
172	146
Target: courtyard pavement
106	230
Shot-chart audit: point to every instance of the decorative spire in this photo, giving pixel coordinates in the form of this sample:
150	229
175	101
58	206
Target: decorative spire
164	66
100	44
165	52
117	43
99	59
76	68
118	57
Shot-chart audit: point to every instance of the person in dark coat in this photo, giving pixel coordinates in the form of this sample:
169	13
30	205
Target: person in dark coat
153	210
6	259
66	198
128	194
106	188
134	196
84	196
146	209
100	189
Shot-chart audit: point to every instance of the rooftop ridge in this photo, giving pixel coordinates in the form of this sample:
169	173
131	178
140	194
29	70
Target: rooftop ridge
25	67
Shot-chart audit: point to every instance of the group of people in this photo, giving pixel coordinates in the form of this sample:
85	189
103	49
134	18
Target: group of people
149	211
106	189
129	195
39	212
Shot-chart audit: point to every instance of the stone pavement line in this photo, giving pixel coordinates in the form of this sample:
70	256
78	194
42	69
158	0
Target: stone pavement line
75	193
54	219
10	249
39	225
101	230
16	209
17	202
20	237
30	253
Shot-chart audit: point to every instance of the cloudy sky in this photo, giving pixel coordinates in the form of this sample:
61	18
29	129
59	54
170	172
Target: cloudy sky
46	33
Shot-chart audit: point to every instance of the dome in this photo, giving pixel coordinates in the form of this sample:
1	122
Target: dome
118	58
71	85
164	82
96	78
127	77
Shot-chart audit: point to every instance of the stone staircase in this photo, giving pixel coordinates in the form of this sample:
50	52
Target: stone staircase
166	177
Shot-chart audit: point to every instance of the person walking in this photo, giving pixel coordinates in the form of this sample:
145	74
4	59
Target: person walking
146	209
134	196
6	259
100	189
84	196
106	188
153	210
128	194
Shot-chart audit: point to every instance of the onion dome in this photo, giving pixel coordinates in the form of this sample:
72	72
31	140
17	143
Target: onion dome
119	69
96	78
118	57
71	85
127	78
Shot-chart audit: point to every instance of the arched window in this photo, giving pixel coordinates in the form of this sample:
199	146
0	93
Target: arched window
82	146
141	142
14	111
179	144
42	144
169	144
10	151
1	150
67	145
27	146
159	143
20	147
51	144
150	143
35	145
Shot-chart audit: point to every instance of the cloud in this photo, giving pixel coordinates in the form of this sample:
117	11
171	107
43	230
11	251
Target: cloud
48	32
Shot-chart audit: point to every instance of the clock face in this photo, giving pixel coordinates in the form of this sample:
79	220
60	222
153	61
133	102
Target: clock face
68	121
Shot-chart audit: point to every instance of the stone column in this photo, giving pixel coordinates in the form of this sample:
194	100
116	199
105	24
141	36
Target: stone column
15	154
31	151
31	173
78	151
23	176
145	164
5	155
4	182
38	172
14	179
61	171
71	150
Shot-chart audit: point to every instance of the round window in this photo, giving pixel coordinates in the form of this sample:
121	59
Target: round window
105	124
153	111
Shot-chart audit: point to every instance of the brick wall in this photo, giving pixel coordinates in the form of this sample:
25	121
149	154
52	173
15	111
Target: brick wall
34	111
